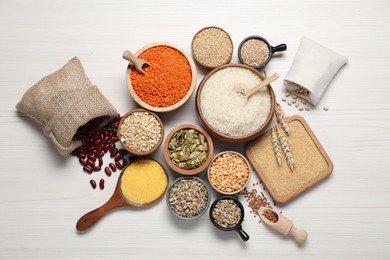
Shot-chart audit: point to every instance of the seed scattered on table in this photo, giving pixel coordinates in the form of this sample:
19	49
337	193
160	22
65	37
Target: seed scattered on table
255	200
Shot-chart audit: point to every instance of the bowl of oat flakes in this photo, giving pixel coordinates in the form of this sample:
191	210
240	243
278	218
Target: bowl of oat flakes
140	132
188	197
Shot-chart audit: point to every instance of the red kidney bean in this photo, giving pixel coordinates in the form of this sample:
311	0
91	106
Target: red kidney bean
120	165
124	162
101	184
99	155
81	155
112	147
87	169
118	157
106	147
99	149
112	167
105	140
93	184
122	151
107	171
97	141
82	161
96	168
90	163
114	153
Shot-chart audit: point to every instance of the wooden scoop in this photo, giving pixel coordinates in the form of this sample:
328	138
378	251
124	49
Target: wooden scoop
249	92
282	224
116	201
137	63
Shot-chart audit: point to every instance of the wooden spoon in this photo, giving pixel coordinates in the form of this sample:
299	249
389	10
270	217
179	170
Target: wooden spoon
116	201
283	225
249	92
137	63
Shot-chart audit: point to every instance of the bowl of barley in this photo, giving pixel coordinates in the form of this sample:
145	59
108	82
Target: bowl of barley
229	172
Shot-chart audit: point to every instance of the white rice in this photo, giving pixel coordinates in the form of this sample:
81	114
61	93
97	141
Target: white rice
229	112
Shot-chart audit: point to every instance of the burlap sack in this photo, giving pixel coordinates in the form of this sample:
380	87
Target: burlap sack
62	102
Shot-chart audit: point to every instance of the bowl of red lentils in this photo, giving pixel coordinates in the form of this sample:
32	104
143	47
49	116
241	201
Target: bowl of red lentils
229	172
188	149
168	82
140	132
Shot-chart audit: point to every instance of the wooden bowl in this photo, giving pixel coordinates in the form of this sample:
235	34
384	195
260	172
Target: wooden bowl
189	171
224	192
201	63
140	153
176	105
224	137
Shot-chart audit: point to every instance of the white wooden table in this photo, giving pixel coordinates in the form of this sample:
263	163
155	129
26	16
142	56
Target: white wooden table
42	195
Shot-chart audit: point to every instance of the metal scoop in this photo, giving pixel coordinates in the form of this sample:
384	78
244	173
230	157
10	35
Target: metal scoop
249	92
137	63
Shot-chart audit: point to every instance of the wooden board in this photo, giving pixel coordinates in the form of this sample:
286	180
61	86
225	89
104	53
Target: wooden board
312	162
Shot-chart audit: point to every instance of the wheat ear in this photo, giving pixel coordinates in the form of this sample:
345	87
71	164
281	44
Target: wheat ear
276	146
281	117
286	148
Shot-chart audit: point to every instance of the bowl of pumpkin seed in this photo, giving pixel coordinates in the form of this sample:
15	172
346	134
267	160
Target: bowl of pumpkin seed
188	149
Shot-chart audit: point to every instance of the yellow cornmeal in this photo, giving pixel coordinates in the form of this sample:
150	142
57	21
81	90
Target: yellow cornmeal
310	163
143	181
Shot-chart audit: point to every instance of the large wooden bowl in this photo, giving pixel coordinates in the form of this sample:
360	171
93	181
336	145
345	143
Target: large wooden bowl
224	137
176	105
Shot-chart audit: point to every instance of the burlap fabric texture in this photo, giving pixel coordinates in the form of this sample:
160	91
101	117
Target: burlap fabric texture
62	102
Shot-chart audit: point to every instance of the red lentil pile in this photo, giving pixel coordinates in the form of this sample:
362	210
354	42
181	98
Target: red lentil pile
98	140
167	79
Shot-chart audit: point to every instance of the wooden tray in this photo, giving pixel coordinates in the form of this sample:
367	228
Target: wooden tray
312	162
